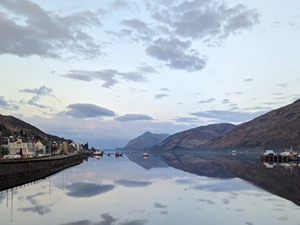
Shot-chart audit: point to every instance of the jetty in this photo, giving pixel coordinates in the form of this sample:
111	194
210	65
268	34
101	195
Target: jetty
285	156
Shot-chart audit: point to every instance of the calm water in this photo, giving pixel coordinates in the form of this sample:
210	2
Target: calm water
163	189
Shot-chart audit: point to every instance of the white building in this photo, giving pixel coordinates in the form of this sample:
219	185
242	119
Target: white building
26	149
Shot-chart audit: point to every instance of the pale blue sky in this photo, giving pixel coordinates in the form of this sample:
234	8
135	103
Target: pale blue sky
108	71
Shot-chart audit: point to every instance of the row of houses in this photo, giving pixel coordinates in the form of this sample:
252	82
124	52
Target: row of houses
30	149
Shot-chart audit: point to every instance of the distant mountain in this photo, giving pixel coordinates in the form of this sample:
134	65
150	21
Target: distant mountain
277	129
16	125
195	137
146	140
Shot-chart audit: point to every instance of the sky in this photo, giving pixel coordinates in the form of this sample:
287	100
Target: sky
105	72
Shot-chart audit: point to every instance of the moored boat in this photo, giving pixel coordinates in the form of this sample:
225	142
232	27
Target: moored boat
145	154
98	152
269	153
119	154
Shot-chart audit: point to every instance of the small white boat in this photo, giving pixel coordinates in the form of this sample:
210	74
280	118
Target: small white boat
97	152
269	153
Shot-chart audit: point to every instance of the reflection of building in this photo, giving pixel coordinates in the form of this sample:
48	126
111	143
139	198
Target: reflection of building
26	149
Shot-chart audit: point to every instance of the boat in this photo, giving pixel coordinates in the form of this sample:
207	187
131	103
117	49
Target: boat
292	156
269	153
98	152
118	154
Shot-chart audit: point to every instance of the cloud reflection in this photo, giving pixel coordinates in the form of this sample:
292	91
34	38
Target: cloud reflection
207	201
40	209
128	183
107	220
158	205
87	190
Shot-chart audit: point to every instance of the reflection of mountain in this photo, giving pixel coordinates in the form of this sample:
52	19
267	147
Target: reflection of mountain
278	181
151	162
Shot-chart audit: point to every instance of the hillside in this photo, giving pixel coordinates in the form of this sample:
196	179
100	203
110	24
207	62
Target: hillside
16	125
195	137
146	140
277	129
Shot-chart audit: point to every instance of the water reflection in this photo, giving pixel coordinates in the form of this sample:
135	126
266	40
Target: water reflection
176	188
87	190
130	183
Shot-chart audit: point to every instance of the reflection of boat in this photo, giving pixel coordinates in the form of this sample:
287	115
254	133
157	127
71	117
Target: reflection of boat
145	154
233	152
97	156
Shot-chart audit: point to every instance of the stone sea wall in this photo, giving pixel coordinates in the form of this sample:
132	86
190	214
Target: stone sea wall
18	172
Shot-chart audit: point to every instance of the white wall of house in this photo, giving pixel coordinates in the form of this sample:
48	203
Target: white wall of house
26	149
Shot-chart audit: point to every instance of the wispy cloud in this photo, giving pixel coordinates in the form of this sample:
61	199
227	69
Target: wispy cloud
207	101
111	77
7	105
159	96
133	117
228	116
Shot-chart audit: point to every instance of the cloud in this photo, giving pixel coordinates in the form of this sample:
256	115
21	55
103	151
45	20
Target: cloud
86	110
282	85
38	94
208	20
165	89
248	80
228	116
87	190
207	101
225	101
119	4
33	101
43	90
176	26
129	183
177	54
133	117
238	93
187	120
24	23
7	105
159	96
110	76
161	206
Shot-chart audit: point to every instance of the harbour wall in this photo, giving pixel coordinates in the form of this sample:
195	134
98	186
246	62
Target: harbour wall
14	173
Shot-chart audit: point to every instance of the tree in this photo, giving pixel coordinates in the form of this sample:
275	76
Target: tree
3	151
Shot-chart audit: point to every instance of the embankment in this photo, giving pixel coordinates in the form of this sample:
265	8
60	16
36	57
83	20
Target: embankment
18	172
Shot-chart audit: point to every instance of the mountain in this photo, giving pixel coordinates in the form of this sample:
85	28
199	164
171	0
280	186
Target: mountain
16	125
195	137
277	129
145	141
